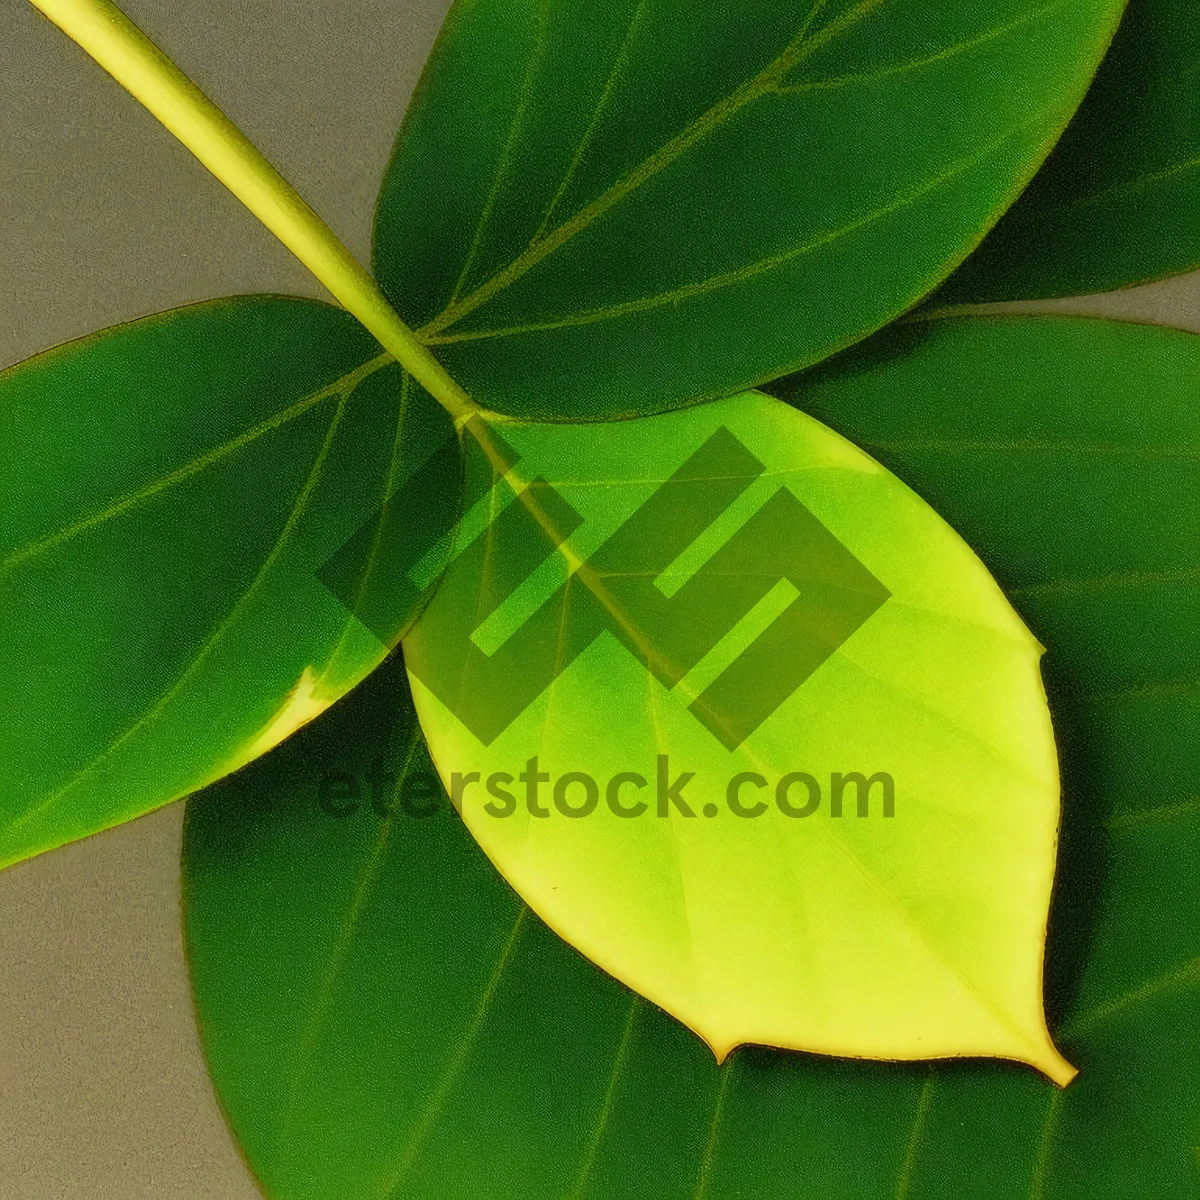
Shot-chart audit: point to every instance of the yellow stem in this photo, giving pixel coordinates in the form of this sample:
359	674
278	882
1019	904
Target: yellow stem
140	67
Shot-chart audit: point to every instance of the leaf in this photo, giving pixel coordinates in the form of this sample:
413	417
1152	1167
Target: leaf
381	1019
728	612
598	211
1074	470
169	488
1115	203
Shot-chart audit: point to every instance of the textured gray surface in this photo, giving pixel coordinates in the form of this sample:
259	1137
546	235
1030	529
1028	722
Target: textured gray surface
106	217
103	217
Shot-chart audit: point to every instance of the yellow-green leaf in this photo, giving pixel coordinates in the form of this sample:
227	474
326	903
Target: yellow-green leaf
747	723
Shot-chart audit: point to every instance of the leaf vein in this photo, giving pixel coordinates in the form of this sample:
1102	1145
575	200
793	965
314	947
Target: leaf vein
610	1094
1185	976
155	711
504	162
1128	186
708	1156
336	960
1069	585
1031	446
699	129
457	1061
1135	817
982	38
904	1180
614	76
342	386
747	271
389	485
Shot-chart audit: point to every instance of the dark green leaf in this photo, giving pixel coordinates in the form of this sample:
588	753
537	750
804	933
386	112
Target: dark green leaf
168	489
599	210
382	1020
1116	202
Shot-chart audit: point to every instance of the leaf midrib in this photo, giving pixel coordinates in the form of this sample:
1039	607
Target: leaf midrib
344	385
154	711
879	887
766	82
801	47
335	960
752	270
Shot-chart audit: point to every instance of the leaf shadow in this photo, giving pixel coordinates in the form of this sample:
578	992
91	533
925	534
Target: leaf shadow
1084	860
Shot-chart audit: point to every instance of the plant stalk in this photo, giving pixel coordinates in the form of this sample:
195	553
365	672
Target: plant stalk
140	67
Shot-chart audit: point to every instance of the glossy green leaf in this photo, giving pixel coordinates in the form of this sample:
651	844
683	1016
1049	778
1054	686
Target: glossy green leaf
622	208
1068	454
1116	202
168	489
382	1020
694	629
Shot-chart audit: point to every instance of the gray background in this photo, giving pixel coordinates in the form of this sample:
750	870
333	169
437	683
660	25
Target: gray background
104	217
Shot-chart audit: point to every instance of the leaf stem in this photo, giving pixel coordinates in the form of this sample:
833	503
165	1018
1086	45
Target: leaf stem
140	67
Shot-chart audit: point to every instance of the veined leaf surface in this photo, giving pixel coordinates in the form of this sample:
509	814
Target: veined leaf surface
692	627
168	489
1116	202
382	1020
599	210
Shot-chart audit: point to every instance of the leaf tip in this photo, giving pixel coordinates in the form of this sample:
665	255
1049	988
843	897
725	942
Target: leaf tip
721	1051
1046	1059
1058	1069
